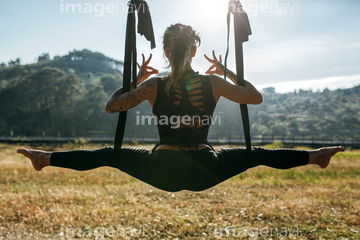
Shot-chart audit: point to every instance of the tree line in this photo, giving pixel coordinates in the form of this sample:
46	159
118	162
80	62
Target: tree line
66	96
325	114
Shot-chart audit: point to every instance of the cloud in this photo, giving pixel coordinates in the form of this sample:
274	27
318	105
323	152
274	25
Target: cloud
316	56
331	83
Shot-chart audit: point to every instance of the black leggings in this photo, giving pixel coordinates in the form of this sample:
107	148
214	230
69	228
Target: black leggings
180	170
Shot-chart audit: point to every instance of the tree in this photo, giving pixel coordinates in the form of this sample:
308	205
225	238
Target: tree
109	83
71	71
46	100
294	126
264	118
70	112
95	118
44	57
258	129
279	130
12	63
89	76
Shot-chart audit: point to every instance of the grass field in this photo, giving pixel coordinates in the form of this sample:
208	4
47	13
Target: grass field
262	203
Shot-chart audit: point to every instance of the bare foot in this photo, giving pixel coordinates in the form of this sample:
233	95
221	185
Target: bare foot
322	156
39	159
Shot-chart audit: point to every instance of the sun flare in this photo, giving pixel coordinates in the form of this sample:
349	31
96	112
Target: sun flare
210	11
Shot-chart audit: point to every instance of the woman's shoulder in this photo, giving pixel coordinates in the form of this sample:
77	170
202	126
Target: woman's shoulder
151	82
216	81
161	78
196	76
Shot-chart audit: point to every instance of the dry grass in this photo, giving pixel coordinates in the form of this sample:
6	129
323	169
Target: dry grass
55	203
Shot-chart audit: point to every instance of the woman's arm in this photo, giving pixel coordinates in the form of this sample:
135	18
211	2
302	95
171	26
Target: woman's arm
239	94
119	102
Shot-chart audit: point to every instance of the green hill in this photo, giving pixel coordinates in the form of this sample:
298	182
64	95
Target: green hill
66	95
82	62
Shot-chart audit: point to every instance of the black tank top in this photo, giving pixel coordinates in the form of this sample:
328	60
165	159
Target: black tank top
185	115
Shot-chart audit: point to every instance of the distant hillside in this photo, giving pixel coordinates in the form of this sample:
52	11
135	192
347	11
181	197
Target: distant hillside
60	96
66	96
82	62
306	113
327	114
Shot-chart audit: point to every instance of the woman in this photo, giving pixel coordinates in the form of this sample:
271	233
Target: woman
181	102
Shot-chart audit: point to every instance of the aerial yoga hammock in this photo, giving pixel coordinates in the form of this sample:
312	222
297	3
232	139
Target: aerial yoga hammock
242	31
183	159
130	63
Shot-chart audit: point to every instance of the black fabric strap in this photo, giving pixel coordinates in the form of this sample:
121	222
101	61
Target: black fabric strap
242	31
130	62
145	26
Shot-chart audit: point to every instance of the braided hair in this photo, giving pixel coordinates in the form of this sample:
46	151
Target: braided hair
179	41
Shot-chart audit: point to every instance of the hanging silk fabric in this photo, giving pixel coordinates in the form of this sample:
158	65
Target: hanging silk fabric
242	31
130	63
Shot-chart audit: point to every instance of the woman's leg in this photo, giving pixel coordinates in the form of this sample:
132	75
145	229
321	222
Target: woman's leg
79	160
322	156
233	161
129	159
154	168
82	160
39	159
165	170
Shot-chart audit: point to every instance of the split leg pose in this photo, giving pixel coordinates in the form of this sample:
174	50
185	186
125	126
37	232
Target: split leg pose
169	170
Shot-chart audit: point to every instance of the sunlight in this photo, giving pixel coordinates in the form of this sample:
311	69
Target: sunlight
212	13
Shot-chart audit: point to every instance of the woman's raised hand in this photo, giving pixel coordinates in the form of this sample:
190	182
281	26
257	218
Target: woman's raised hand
217	67
145	71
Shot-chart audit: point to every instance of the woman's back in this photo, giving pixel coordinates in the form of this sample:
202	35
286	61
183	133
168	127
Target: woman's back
184	115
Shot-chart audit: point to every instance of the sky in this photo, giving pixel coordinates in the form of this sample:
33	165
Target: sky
296	44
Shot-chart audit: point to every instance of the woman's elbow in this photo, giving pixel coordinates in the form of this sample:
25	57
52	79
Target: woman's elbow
108	108
257	99
260	99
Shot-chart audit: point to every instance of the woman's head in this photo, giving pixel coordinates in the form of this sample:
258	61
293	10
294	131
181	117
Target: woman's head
179	44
